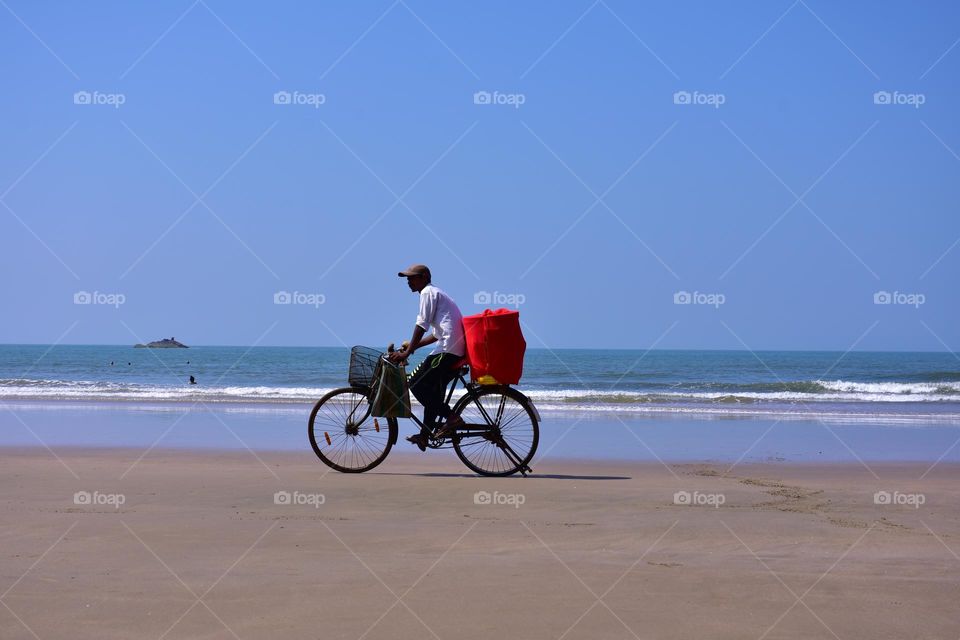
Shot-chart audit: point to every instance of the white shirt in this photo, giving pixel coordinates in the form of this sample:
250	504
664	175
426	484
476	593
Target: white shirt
439	312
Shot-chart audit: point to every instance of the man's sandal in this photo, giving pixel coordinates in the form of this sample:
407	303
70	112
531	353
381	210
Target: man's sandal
418	439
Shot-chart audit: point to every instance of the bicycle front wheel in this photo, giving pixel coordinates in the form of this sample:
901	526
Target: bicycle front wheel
501	431
344	435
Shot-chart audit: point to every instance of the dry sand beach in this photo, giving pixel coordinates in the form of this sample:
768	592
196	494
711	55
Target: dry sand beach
203	546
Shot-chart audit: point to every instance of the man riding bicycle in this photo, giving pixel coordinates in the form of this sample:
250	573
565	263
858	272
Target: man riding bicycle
440	314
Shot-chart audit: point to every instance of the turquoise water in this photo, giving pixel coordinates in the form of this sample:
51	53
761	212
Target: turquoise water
868	384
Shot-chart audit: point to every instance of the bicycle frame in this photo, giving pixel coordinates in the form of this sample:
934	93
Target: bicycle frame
479	429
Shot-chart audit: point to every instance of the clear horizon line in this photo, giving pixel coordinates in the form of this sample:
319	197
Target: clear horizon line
529	348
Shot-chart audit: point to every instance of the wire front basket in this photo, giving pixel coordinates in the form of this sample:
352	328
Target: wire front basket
363	365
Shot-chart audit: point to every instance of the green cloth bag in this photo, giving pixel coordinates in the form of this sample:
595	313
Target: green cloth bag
391	398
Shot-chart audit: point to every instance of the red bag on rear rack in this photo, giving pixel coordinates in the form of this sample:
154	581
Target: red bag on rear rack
495	346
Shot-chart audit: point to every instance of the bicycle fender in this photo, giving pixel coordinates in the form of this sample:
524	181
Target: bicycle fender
536	412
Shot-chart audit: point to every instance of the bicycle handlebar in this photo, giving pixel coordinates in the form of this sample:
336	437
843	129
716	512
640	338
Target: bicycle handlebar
392	349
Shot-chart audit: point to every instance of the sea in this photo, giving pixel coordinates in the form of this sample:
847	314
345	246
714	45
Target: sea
889	386
659	405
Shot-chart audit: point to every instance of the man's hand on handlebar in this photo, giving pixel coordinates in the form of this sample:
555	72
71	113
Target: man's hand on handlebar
399	356
407	349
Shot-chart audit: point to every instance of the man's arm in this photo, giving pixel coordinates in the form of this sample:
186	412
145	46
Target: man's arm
416	341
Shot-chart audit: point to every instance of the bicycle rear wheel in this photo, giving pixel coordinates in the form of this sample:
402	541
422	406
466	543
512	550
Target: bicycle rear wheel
344	435
501	431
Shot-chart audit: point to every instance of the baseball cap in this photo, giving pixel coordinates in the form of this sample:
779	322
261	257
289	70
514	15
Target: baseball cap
415	270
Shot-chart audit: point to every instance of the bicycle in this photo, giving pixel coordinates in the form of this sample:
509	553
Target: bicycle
498	438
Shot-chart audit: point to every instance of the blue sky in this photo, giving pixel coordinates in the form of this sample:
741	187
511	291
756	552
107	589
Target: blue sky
595	202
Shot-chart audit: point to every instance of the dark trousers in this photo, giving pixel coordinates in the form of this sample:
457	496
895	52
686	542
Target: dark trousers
428	382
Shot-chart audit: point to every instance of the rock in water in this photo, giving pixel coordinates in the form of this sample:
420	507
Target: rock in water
166	343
